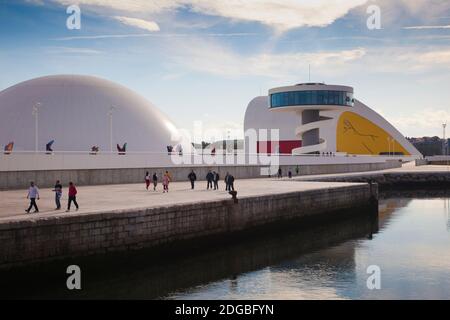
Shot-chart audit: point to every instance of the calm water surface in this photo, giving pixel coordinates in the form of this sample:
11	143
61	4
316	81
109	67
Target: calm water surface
412	249
409	239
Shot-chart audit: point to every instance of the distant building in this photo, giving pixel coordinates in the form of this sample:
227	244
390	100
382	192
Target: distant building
430	146
319	118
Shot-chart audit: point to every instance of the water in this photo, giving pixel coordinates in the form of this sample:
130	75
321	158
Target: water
409	240
412	249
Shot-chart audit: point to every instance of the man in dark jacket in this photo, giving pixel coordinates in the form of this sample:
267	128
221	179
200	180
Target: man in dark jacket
216	180
230	183
209	180
192	177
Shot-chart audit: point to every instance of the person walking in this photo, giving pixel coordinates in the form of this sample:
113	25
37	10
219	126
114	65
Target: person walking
280	173
227	185
209	180
72	196
33	194
290	174
155	181
297	170
231	183
216	180
192	177
58	193
166	181
147	180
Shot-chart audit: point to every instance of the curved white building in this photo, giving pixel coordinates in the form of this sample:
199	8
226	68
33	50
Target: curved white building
79	112
320	118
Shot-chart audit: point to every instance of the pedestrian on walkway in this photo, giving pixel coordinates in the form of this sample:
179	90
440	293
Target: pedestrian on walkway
290	174
192	177
58	193
280	173
226	181
209	180
216	180
147	180
166	181
72	196
155	181
230	182
33	194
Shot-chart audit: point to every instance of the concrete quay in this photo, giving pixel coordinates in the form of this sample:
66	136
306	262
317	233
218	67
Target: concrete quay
406	176
127	217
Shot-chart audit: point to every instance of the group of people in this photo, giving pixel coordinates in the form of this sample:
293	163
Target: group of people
280	173
212	180
154	180
33	195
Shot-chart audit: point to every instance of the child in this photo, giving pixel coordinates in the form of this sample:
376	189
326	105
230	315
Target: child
166	180
155	181
147	180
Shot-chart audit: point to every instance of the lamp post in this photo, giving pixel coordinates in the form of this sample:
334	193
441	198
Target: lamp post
110	113
35	113
389	146
444	142
393	147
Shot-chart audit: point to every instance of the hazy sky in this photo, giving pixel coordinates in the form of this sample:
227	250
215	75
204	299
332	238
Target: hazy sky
205	60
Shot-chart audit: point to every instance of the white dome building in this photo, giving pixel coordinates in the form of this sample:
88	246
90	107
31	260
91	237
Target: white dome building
75	111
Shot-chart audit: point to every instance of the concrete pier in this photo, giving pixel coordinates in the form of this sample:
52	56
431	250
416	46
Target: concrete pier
127	217
407	176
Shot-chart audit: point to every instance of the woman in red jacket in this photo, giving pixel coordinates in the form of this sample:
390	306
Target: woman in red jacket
72	196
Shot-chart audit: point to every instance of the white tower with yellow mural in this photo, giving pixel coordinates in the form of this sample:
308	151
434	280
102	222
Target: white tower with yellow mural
328	119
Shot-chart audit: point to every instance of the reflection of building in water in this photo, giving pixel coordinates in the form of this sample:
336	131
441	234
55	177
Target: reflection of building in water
387	206
447	211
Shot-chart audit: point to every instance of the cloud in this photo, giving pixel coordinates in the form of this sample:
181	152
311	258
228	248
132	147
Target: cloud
426	122
138	23
72	50
154	35
284	15
426	27
211	57
281	16
409	59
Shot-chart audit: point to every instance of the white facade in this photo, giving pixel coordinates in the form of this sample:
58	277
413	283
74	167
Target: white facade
76	112
284	109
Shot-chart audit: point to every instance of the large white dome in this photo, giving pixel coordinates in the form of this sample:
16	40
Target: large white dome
74	112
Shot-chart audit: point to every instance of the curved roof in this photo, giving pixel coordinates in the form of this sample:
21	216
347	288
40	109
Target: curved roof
258	116
74	112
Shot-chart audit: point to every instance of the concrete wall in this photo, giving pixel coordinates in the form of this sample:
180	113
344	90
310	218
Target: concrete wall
421	162
396	179
34	240
10	180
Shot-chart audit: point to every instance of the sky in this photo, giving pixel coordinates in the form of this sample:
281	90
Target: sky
205	60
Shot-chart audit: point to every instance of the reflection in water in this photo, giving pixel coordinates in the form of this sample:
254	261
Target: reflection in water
148	275
408	239
447	212
412	249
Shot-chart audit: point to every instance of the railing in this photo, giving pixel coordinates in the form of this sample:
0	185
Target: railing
57	160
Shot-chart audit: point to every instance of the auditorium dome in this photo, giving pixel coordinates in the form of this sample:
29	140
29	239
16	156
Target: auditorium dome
75	111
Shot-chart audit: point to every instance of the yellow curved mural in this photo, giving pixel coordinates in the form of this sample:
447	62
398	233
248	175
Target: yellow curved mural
357	135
